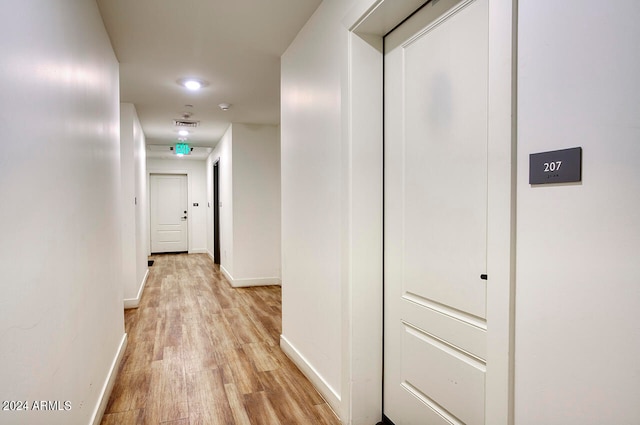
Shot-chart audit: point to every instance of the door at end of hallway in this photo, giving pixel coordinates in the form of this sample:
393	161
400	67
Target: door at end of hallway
168	213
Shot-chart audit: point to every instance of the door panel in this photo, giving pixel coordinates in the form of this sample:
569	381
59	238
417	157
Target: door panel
454	379
436	73
459	330
445	173
168	215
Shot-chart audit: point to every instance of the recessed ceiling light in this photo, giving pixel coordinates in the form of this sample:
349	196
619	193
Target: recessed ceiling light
192	83
183	133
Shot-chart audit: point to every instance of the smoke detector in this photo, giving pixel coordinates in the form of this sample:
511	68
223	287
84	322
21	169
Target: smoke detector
224	106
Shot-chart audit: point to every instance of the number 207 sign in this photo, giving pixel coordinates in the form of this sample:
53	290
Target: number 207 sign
563	166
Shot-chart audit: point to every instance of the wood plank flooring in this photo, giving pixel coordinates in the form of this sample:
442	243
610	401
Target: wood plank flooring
203	353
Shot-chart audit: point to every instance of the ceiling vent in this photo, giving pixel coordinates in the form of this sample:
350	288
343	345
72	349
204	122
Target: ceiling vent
186	123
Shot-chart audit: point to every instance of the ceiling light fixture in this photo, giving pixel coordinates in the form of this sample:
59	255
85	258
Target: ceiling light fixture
224	106
192	84
183	133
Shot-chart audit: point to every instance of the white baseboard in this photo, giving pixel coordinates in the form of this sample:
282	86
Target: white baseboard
135	302
198	251
98	412
325	390
260	281
211	256
226	274
256	281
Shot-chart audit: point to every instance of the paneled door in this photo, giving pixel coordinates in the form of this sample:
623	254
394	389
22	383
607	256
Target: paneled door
168	212
436	85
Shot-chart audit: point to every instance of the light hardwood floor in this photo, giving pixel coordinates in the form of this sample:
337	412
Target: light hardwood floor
201	352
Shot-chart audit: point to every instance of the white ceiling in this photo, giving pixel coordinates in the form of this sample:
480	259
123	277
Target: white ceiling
234	45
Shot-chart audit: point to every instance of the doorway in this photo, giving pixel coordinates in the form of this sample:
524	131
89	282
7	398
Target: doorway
368	27
168	213
216	212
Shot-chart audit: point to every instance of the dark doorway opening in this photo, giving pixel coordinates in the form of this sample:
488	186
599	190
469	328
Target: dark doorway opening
216	212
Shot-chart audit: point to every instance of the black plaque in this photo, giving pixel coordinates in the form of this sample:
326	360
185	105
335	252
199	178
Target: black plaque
563	166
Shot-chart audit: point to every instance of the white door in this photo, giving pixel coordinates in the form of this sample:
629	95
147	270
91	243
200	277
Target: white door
168	193
436	71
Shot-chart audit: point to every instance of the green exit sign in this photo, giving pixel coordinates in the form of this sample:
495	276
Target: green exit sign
182	149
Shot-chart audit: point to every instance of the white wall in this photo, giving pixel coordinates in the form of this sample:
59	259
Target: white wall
256	204
197	193
314	204
134	200
249	173
61	319
578	245
127	177
141	204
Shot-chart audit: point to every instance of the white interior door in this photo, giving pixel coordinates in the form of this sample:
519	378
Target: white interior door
436	79
168	215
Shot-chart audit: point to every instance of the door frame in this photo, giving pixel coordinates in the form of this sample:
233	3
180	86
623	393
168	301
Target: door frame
151	171
367	23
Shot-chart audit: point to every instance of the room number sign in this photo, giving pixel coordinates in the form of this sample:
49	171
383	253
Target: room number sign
563	166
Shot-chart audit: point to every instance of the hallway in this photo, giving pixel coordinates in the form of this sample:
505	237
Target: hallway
201	352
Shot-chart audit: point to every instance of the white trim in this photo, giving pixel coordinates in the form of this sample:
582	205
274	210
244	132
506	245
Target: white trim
368	21
98	412
246	282
325	390
377	17
198	251
258	281
135	302
226	274
362	294
501	212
